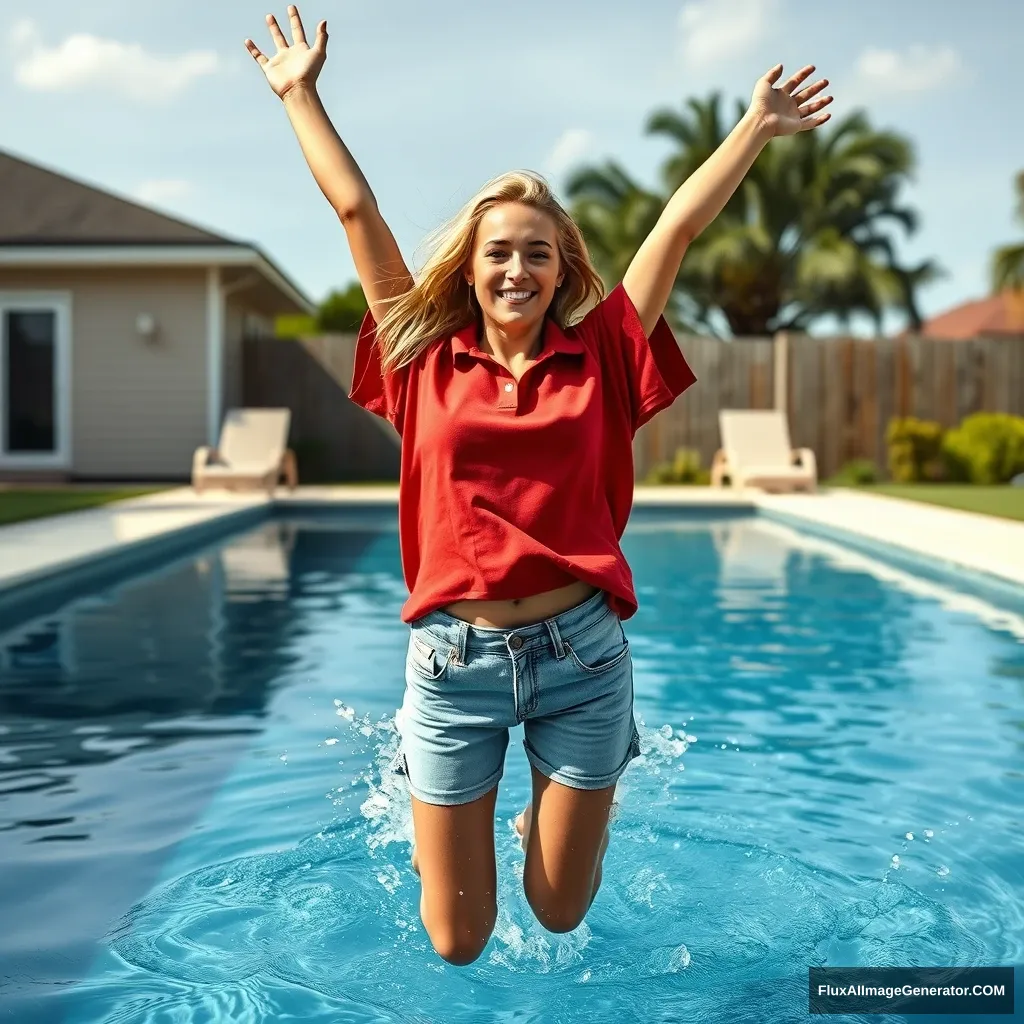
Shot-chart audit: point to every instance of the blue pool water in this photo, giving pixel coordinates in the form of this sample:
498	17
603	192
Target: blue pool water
195	826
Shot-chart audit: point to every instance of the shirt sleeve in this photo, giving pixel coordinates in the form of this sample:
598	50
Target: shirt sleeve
376	391
648	374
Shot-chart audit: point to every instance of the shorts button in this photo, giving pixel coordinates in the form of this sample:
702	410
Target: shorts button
515	642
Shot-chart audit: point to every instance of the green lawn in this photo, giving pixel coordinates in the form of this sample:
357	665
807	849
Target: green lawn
17	505
1007	502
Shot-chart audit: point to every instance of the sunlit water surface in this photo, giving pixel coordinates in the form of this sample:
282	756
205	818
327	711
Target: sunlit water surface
196	823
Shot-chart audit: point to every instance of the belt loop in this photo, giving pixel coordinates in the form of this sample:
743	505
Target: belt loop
556	638
460	643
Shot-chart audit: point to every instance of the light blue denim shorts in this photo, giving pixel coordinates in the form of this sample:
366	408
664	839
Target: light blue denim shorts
567	679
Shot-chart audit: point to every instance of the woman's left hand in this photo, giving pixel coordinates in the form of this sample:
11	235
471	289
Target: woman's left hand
789	109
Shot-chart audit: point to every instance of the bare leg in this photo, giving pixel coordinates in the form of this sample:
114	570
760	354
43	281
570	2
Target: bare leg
525	820
567	839
454	857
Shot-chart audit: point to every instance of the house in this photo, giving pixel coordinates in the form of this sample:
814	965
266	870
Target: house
120	330
998	315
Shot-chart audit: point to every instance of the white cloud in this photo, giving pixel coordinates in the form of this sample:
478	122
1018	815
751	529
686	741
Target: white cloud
160	192
917	69
85	61
571	147
711	31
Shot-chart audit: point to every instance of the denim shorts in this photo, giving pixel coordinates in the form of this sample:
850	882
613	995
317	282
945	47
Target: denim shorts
567	679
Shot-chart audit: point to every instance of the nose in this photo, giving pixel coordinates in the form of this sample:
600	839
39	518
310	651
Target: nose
515	271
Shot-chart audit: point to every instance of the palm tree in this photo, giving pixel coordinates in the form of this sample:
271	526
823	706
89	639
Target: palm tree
1008	261
614	214
803	237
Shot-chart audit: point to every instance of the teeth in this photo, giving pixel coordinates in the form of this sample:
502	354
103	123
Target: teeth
515	296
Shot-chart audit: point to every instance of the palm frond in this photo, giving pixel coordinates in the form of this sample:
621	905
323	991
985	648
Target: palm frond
1008	267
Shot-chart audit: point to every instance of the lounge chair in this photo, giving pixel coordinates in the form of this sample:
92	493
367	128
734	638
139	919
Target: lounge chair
756	452
252	453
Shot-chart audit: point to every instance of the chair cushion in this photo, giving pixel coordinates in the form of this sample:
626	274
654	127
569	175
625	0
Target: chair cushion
254	436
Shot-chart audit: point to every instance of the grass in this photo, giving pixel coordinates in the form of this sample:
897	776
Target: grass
1005	502
18	504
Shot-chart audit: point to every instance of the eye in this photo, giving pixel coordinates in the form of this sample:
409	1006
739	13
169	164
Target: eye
540	255
496	253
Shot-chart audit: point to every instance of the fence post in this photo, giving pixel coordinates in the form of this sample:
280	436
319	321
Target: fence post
780	373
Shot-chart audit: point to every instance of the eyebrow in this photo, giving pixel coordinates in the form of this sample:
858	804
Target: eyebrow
505	241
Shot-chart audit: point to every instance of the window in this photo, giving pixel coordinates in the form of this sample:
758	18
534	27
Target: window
34	380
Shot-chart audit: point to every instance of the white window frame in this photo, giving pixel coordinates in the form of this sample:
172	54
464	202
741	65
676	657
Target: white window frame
59	303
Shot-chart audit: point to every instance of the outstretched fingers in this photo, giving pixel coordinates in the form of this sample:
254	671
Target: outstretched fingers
808	111
321	37
298	32
256	52
276	34
804	95
812	108
796	79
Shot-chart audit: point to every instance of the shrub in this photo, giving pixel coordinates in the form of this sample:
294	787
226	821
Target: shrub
856	472
685	468
915	450
342	311
987	448
296	325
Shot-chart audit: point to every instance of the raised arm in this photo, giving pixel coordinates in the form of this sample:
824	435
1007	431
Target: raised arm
701	198
292	72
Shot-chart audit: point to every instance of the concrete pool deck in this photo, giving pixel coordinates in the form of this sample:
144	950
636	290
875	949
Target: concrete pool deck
41	548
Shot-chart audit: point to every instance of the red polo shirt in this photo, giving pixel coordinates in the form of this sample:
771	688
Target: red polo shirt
512	488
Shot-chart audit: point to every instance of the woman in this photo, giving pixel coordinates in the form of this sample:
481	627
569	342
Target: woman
516	485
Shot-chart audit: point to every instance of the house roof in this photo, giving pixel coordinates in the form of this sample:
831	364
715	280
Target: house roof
48	217
998	314
53	209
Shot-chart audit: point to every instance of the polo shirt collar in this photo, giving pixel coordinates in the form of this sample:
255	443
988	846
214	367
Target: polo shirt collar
555	340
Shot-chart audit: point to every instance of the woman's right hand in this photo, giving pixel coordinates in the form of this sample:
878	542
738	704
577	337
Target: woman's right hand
296	65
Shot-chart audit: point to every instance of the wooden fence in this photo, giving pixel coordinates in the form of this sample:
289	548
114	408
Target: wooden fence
334	440
838	393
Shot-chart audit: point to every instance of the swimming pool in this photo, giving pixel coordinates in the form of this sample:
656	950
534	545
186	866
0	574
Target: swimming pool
194	822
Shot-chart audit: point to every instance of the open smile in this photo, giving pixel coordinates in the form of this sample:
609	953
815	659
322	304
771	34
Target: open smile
515	297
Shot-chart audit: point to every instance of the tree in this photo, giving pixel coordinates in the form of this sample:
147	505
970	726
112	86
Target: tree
342	311
1008	261
805	235
614	214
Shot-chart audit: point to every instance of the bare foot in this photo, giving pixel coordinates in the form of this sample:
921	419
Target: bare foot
523	825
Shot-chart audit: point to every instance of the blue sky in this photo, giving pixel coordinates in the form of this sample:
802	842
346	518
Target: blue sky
159	101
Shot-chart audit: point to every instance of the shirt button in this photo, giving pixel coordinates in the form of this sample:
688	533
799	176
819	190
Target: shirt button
509	386
515	642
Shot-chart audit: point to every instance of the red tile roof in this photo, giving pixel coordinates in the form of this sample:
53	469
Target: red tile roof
998	314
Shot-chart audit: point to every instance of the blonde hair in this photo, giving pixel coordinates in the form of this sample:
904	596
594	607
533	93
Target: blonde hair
440	303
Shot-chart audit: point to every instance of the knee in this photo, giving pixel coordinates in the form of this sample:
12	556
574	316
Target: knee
556	917
459	942
459	949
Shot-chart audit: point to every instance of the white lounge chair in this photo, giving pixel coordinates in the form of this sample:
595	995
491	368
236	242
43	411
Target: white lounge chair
756	452
252	453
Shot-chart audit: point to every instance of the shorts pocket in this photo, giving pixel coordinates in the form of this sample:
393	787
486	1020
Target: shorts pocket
427	660
600	652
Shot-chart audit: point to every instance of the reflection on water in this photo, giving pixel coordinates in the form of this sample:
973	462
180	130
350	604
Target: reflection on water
191	766
145	665
121	714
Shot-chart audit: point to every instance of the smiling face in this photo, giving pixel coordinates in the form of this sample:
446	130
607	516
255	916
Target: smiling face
515	267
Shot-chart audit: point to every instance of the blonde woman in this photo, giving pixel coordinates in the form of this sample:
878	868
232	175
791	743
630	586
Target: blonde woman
517	417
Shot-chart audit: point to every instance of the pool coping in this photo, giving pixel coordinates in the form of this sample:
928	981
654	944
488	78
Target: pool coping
49	561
